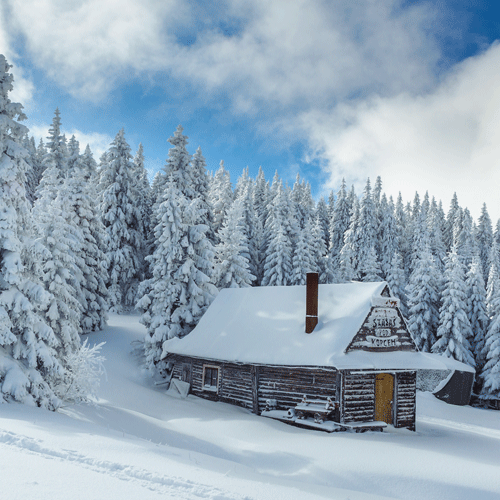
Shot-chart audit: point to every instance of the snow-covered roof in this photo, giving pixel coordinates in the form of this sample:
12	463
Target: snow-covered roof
266	325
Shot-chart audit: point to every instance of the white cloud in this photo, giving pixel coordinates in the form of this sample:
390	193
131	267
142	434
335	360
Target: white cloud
85	46
284	52
23	86
446	141
98	142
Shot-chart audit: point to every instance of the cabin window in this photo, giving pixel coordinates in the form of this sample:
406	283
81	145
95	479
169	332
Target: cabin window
210	378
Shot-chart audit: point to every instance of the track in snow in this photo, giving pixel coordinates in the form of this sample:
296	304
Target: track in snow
166	485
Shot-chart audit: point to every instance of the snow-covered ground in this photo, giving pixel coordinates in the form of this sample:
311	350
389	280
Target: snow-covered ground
137	442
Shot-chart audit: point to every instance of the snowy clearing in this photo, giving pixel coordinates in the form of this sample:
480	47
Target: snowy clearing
137	442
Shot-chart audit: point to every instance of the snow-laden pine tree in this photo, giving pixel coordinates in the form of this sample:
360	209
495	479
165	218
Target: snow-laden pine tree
366	231
490	375
54	164
476	309
322	266
280	229
454	333
122	221
250	226
370	268
61	275
242	182
435	223
220	195
33	170
423	301
419	231
387	241
180	290
453	212
260	207
349	251
144	190
198	168
339	224
484	239
403	236
396	279
232	268
303	255
464	239
78	197
323	219
28	358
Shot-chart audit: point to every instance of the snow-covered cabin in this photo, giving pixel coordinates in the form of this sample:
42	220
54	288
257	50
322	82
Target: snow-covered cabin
250	348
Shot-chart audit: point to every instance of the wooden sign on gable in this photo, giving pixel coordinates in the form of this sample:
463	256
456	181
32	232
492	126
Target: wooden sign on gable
384	329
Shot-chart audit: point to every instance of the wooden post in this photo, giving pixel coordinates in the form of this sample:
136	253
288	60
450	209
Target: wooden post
312	280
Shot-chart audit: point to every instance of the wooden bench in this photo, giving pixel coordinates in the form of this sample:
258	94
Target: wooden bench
319	409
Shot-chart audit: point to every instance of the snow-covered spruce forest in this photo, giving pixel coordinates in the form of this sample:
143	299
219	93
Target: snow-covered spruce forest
81	237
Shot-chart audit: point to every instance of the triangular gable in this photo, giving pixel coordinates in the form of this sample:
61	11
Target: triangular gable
383	329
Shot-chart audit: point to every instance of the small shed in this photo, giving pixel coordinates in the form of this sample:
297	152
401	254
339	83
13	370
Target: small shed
251	349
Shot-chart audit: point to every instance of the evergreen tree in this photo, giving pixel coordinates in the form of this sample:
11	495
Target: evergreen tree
144	190
387	242
250	227
28	357
370	269
454	332
179	291
484	238
397	282
490	375
323	220
279	227
60	274
435	223
122	221
366	231
220	196
464	238
339	226
403	237
77	198
349	251
423	301
450	222
32	170
303	256
260	204
231	261
476	309
54	163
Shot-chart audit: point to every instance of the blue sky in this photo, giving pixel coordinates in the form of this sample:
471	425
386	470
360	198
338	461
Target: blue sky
328	89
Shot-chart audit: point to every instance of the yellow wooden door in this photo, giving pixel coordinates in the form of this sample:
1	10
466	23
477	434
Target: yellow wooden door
384	393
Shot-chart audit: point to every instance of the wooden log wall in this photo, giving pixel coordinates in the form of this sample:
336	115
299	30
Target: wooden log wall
235	380
288	385
251	386
236	385
358	397
405	389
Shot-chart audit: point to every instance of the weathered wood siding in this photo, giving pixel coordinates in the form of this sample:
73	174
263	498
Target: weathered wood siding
236	385
251	385
406	387
358	397
288	385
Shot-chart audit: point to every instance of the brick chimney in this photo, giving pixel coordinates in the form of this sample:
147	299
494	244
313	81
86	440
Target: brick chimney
311	301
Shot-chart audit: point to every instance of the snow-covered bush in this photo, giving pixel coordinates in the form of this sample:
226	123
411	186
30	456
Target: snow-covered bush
82	376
